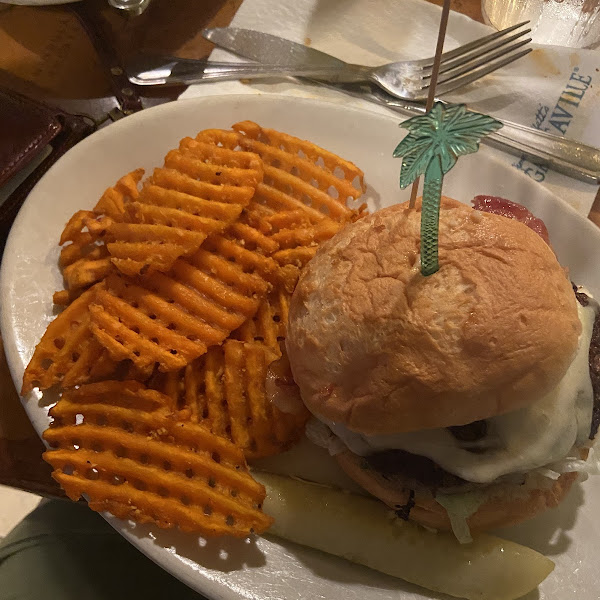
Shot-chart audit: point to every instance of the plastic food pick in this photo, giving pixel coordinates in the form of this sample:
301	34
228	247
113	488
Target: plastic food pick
432	147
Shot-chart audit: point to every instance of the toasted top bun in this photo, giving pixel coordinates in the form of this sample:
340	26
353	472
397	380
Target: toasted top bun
378	347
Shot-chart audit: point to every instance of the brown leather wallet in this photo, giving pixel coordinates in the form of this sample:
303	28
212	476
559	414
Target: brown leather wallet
28	129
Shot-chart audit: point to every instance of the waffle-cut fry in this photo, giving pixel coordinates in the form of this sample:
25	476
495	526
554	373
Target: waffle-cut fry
68	353
181	181
276	146
230	166
171	384
86	272
296	257
140	256
310	235
197	169
85	259
302	173
82	267
202	190
82	249
75	225
298	240
172	318
290	219
118	444
286	191
282	189
269	324
258	374
64	297
115	199
304	195
166	227
299	245
269	327
233	389
141	248
170	200
85	232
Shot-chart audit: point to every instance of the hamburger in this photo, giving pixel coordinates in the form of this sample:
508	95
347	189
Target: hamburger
463	399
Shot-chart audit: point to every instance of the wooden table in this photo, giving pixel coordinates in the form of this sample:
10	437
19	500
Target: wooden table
48	48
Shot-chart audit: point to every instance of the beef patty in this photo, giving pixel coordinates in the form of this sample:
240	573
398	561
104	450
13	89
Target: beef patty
418	472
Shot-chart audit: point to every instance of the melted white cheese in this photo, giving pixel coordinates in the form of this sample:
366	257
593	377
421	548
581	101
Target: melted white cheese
519	441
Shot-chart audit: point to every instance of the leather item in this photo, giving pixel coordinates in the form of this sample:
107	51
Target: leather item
27	128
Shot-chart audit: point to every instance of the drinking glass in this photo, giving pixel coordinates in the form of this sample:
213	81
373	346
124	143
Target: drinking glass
573	23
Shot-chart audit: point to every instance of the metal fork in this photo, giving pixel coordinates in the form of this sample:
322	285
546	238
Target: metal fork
408	80
458	67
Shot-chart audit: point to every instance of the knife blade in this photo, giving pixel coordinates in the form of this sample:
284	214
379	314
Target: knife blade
270	49
565	156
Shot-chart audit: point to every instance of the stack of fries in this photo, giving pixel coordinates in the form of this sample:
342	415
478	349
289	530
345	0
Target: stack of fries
169	352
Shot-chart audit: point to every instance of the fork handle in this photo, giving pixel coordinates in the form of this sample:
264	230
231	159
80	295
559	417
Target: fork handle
562	155
544	149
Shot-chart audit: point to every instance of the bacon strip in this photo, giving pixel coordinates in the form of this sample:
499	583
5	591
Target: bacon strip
511	210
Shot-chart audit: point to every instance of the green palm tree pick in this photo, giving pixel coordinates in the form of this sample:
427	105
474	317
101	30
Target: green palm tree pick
432	147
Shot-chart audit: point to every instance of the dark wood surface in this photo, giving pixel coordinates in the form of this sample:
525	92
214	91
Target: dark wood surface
48	48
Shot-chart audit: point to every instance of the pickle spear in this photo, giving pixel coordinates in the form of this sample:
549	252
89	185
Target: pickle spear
365	531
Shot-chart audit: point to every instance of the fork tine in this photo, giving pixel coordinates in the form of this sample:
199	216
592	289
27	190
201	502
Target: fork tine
481	60
476	74
428	62
484	52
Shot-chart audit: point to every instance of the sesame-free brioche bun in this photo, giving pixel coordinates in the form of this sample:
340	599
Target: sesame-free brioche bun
505	504
379	348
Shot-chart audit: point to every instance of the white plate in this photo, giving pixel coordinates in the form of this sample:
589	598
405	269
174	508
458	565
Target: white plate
270	569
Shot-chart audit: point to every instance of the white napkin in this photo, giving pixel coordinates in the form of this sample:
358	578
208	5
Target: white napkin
552	88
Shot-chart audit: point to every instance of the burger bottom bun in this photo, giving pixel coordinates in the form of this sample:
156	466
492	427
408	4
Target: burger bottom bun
507	504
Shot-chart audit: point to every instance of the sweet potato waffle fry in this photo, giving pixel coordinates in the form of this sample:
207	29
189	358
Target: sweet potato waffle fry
202	189
114	200
306	190
340	181
117	444
233	389
172	318
269	324
279	393
84	258
183	283
68	353
227	390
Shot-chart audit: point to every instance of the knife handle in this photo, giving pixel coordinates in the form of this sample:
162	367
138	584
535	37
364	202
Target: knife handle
560	154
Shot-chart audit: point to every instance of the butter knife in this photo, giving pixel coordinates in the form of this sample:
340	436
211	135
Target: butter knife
569	157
